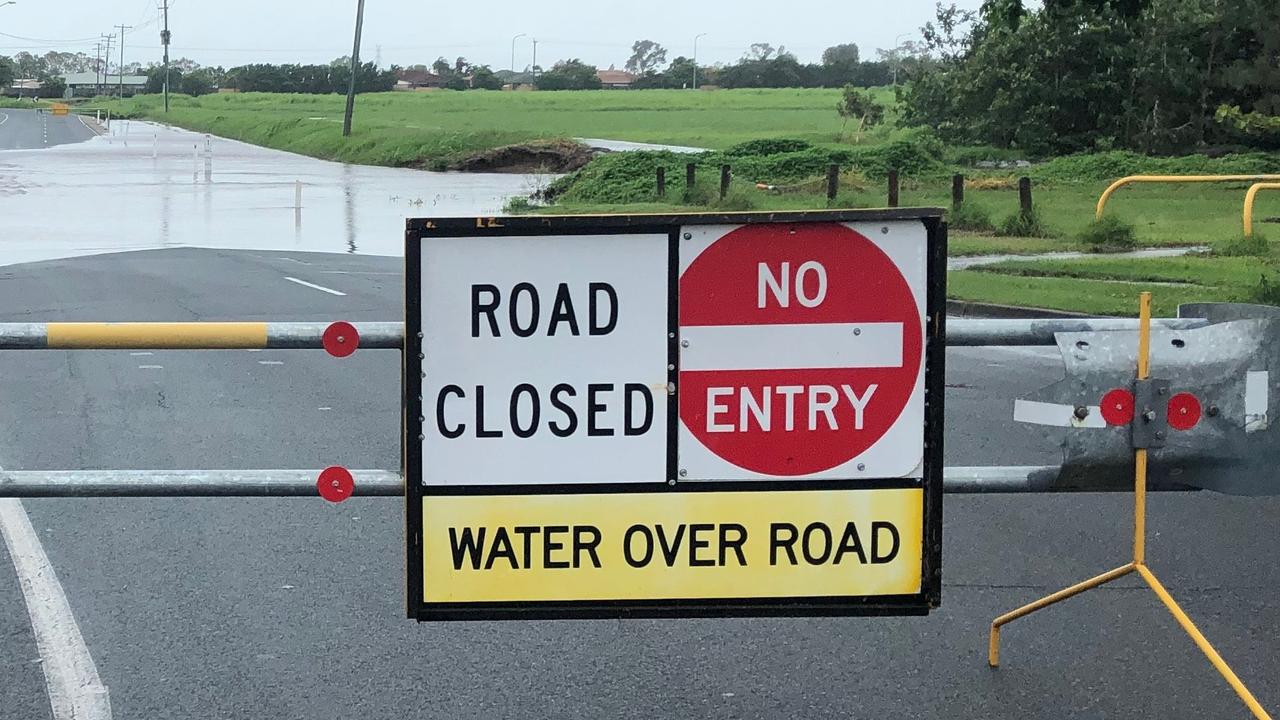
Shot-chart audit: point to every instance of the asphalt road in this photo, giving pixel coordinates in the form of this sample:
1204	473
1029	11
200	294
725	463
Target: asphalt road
31	130
291	608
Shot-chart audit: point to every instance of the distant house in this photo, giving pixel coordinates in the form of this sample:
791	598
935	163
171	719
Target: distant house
410	80
25	87
616	79
88	84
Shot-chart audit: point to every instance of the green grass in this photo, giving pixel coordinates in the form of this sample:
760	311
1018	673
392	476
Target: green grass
419	128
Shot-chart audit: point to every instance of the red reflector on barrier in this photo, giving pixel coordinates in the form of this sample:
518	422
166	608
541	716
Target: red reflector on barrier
335	484
341	339
1184	411
1117	407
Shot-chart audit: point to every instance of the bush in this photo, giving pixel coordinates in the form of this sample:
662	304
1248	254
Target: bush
1023	224
738	200
1110	234
1119	163
518	206
1267	291
1240	246
969	216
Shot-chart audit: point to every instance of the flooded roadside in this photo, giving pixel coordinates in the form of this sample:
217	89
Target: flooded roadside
144	186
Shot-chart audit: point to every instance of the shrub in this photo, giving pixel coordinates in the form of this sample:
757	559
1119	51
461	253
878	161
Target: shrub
1241	246
518	206
1023	224
1110	234
1267	291
970	216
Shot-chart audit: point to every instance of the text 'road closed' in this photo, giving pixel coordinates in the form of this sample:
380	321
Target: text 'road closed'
649	546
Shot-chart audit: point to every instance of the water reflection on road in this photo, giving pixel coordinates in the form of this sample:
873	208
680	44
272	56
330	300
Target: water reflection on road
146	186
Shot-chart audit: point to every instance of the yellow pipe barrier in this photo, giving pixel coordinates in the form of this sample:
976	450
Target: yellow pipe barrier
160	335
1106	194
1139	552
1249	197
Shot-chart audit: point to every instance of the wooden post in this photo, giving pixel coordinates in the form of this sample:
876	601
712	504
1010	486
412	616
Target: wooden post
1024	194
893	188
690	176
725	174
957	190
662	182
833	181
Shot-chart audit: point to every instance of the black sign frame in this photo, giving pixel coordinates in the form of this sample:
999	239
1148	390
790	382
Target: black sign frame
419	230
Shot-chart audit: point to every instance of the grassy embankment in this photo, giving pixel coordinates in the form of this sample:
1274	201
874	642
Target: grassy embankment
436	129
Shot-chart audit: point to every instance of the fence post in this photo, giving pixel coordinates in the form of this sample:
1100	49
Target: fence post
662	182
833	181
1024	194
690	176
957	190
893	188
725	174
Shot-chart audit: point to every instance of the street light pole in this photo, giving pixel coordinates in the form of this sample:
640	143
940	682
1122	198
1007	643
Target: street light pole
513	50
897	57
695	59
355	65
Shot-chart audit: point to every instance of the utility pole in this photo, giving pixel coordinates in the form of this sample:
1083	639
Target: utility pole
97	64
164	40
695	59
534	69
106	61
513	50
355	65
122	29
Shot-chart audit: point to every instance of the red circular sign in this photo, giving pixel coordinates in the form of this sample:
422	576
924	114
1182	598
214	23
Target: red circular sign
1117	407
1184	411
801	392
335	484
341	339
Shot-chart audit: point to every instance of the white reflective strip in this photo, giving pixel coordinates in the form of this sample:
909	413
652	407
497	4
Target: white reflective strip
1056	414
1255	400
784	347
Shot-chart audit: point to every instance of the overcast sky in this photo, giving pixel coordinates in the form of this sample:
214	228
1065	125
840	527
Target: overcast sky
236	32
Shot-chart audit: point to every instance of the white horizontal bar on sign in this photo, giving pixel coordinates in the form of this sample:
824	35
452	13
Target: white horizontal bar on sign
786	347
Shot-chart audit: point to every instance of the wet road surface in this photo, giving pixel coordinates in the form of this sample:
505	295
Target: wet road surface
30	129
291	608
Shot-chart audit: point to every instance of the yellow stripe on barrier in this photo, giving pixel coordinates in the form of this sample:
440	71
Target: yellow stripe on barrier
1249	197
1106	194
157	336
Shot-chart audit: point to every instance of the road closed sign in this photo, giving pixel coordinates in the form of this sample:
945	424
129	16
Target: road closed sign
683	415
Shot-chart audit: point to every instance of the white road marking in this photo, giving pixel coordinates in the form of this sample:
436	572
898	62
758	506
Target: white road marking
313	286
357	272
150	367
270	362
4	118
71	678
141	354
324	408
253	350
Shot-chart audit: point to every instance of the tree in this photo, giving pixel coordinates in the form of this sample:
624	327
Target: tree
6	72
646	56
569	75
845	55
763	51
155	79
483	78
860	104
197	82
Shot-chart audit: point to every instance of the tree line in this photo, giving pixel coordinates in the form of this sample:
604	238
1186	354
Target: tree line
764	66
1156	76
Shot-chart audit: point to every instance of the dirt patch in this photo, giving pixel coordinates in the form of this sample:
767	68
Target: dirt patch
550	156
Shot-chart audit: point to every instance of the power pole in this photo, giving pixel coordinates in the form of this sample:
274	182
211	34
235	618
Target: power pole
106	61
122	29
164	40
534	69
355	65
97	64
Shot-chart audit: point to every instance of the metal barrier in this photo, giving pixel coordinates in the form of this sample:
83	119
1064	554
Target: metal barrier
390	335
1106	194
1249	198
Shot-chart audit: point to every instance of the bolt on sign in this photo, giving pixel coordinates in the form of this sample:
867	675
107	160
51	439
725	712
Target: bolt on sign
674	415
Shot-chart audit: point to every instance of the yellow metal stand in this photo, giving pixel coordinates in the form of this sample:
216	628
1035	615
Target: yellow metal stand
1139	555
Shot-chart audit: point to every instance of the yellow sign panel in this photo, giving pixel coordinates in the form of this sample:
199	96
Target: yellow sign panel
672	546
61	109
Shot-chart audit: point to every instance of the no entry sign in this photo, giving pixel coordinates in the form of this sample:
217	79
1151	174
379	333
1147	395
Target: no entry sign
674	415
801	351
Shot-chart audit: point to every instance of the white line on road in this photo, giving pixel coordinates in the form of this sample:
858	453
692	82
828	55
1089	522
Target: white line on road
141	354
71	678
357	272
313	286
270	362
4	118
150	367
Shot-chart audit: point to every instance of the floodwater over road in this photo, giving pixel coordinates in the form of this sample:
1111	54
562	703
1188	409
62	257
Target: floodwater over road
145	186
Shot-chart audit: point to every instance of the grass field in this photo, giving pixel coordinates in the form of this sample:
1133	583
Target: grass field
433	129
